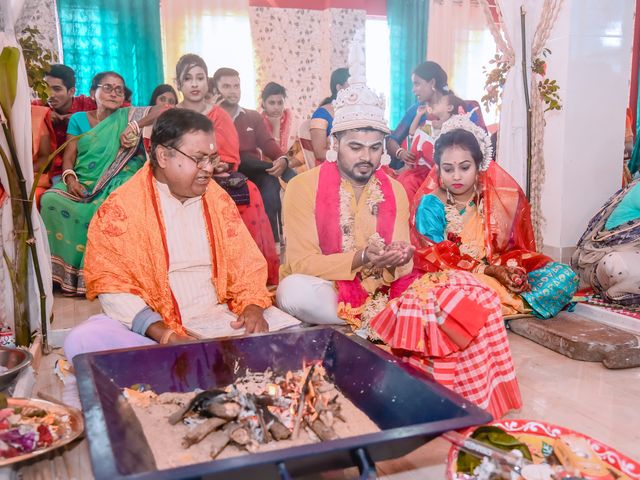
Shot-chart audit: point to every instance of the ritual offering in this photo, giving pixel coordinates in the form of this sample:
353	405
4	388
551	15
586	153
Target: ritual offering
259	412
30	427
531	450
266	407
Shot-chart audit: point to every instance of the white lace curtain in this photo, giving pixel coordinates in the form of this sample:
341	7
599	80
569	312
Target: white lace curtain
20	119
299	49
540	17
459	40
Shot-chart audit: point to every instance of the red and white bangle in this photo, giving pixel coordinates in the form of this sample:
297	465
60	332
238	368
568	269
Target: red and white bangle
400	149
68	172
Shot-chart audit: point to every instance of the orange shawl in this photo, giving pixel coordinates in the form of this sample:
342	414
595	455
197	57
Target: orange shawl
127	250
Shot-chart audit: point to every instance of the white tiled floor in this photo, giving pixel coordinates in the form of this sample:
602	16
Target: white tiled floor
585	397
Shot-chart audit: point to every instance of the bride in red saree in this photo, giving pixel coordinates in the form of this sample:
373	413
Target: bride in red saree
486	230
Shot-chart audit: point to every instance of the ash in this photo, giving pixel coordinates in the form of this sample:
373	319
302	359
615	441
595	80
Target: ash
261	411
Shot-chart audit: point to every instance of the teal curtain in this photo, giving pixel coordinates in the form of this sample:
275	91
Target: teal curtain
408	21
118	35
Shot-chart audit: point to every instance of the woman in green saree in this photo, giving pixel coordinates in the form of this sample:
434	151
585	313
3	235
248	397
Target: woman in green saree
105	156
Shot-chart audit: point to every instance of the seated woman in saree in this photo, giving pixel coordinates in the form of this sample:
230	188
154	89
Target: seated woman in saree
322	118
107	154
473	216
608	254
429	82
193	83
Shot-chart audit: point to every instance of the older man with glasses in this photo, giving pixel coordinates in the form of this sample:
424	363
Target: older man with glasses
169	248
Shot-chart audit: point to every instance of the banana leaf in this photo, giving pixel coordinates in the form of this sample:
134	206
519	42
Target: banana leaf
495	437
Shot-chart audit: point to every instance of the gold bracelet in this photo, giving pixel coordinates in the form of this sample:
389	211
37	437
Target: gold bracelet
166	336
480	268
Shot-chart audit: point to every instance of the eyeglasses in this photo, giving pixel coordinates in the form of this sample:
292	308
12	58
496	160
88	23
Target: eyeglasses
201	162
119	91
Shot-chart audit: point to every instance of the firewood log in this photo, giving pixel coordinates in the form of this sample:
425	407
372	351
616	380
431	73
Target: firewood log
323	431
177	398
220	439
325	387
197	434
226	410
240	435
179	414
327	418
279	431
266	436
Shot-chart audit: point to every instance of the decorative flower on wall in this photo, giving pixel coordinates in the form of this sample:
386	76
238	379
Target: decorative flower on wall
496	77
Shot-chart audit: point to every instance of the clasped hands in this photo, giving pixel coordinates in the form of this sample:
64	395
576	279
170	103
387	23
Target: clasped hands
513	278
278	168
393	255
129	138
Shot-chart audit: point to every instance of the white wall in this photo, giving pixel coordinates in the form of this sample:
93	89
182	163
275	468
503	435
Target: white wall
584	143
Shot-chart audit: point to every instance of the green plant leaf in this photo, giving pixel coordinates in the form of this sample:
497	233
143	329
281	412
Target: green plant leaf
9	59
497	438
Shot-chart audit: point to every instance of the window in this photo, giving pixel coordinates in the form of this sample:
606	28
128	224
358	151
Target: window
222	38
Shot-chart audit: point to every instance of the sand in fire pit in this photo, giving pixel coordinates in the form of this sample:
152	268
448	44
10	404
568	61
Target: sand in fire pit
165	439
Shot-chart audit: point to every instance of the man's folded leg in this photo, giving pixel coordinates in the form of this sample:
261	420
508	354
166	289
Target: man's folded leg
310	299
96	334
99	333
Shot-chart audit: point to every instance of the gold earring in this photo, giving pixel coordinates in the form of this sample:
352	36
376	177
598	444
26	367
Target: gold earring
450	199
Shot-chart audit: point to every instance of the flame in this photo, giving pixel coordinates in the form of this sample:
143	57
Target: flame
273	390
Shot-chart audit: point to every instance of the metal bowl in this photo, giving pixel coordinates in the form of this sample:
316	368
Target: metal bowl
15	360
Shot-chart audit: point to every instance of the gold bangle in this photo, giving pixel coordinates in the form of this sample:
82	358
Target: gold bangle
166	336
480	268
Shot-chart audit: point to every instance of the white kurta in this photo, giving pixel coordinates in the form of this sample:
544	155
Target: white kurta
190	265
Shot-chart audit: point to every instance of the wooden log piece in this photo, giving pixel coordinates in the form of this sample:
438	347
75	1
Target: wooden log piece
226	410
179	414
279	431
240	436
220	439
197	434
323	432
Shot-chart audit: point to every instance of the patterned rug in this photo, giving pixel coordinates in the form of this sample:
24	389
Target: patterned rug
629	311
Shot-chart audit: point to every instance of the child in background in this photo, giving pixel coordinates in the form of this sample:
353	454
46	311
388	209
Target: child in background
421	140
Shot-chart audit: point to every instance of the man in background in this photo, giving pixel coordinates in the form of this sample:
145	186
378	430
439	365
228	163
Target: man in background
261	158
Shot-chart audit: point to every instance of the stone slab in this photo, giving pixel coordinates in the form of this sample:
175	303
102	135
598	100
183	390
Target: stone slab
579	338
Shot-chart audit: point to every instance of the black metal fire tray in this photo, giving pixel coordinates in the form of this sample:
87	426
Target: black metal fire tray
409	408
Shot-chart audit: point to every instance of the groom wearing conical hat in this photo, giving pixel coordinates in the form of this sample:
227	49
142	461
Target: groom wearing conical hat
346	223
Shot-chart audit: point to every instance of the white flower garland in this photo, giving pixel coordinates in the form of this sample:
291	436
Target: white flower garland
374	304
455	224
376	301
375	196
347	219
